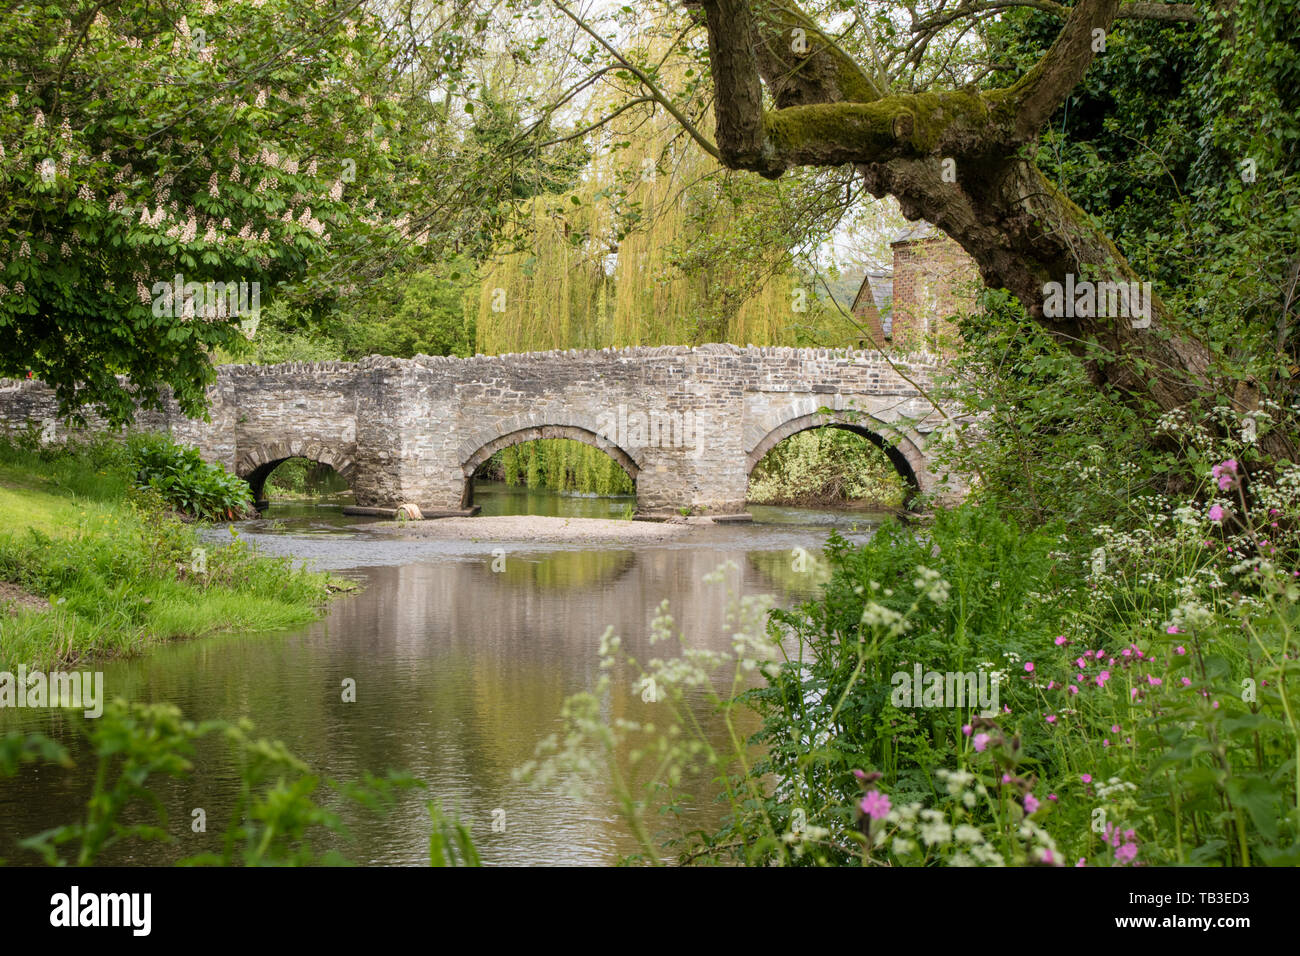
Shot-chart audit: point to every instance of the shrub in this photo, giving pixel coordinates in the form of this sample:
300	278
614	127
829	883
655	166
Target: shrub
188	483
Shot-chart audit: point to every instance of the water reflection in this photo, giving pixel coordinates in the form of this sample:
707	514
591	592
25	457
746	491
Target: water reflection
460	670
462	653
498	498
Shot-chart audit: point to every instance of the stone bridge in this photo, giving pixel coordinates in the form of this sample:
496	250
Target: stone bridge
687	424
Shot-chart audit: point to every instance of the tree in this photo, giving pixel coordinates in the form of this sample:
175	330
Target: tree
214	142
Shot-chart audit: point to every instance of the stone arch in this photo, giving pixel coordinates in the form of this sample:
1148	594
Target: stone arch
534	432
902	448
256	464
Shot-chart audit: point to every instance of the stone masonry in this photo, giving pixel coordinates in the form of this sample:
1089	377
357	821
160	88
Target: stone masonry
688	424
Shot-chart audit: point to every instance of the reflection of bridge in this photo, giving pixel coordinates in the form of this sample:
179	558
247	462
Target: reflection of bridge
688	424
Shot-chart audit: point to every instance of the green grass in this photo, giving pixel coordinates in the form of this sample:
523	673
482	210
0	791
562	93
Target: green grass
118	571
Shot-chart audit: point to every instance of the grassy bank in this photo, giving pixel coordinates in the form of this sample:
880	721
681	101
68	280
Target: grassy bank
119	569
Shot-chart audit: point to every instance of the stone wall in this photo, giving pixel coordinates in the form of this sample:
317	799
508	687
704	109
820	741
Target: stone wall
688	424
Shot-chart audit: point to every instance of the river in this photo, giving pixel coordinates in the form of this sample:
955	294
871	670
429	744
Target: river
459	672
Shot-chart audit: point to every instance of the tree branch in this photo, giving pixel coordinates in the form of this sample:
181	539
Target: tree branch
1167	12
1040	91
653	88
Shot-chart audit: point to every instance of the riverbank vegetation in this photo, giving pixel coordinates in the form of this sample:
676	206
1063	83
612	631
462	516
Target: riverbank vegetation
1130	697
298	478
105	532
283	815
826	467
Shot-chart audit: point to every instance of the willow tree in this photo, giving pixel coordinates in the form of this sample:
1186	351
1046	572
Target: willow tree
687	268
656	244
545	288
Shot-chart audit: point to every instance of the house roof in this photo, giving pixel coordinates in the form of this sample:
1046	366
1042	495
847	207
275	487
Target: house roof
880	286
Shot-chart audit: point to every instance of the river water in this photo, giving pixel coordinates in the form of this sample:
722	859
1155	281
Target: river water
459	672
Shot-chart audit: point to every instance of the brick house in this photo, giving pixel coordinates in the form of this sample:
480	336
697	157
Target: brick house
908	309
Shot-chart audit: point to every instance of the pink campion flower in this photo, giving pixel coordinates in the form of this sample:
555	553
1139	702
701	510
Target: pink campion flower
1060	639
1082	862
1180	650
1231	465
1126	853
1216	513
1132	692
1127	652
1172	629
1086	778
1051	718
1029	666
1006	778
860	774
1102	678
966	729
980	741
1114	728
1187	682
1051	685
1106	742
1154	681
1081	662
875	805
1052	797
1074	689
1031	804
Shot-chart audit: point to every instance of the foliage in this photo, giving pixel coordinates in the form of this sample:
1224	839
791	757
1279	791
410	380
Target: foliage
450	841
300	478
825	466
184	481
1182	141
277	820
141	142
119	570
426	311
1144	711
1040	440
560	464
